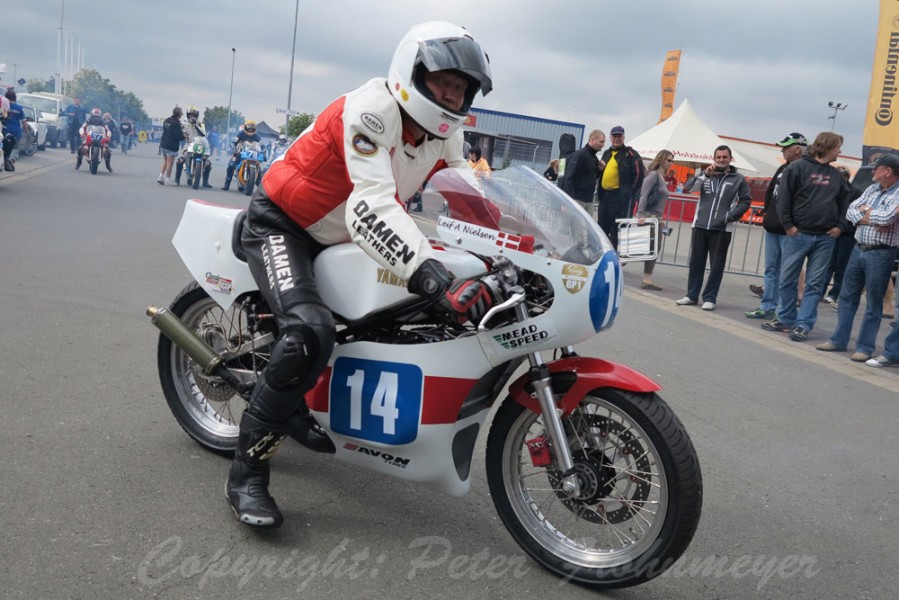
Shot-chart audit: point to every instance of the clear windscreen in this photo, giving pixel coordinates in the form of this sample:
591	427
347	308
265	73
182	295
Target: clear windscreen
516	201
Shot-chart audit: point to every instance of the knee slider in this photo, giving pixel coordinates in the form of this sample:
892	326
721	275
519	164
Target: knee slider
290	360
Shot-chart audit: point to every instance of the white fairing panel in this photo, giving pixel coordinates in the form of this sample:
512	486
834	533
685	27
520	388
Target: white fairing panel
203	240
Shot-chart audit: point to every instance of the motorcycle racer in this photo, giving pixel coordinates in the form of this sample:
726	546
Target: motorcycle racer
94	119
192	130
246	134
346	178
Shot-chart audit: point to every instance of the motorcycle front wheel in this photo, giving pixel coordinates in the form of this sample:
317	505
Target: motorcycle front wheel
640	484
198	167
95	159
206	407
251	173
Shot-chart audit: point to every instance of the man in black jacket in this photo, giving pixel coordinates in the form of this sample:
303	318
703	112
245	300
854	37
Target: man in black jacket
792	148
622	178
582	170
812	199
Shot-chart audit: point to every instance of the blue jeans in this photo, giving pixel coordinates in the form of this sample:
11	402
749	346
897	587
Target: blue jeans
869	270
774	243
796	250
891	341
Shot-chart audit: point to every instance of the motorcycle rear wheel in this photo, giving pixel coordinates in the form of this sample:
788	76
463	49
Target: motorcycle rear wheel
207	408
641	489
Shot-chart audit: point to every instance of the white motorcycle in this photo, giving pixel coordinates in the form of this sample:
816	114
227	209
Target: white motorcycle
589	469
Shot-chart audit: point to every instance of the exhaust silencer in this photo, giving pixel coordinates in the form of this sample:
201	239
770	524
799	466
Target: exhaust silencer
186	339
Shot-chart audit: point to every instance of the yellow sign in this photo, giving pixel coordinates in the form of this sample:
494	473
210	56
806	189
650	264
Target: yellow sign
142	136
881	121
669	83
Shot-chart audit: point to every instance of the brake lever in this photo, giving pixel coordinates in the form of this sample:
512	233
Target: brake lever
514	300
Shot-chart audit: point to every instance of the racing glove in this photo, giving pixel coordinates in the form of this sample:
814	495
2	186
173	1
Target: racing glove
467	299
430	279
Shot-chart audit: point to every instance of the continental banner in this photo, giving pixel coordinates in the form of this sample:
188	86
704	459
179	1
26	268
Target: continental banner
669	83
881	121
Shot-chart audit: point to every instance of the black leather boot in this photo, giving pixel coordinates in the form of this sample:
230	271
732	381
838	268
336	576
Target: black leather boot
178	168
78	160
206	179
247	487
227	183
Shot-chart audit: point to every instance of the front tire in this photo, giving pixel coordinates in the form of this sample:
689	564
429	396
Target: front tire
207	408
251	172
95	159
641	489
197	170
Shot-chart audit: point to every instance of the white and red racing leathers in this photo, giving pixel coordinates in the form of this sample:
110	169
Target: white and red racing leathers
347	176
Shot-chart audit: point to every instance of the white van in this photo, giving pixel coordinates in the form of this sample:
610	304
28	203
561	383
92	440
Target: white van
53	108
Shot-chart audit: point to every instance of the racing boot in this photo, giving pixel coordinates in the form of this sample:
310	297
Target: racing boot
109	164
179	166
78	160
247	487
206	179
227	183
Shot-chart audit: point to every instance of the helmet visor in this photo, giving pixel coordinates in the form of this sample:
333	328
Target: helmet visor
460	54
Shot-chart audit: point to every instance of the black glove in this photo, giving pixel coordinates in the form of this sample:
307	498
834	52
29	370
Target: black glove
430	279
467	298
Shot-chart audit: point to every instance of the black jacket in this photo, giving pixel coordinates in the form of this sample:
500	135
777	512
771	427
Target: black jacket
770	218
630	171
812	196
171	134
581	172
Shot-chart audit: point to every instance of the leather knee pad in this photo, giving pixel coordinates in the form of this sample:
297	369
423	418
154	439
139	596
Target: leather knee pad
291	359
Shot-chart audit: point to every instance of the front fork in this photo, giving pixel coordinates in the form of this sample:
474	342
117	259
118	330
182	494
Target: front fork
552	416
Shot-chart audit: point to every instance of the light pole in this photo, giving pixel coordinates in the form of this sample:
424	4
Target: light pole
835	106
231	91
58	84
293	50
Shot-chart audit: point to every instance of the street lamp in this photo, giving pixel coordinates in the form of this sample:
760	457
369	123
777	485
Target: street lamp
231	91
293	50
835	106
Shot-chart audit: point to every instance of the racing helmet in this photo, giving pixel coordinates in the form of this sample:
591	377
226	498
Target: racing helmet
193	114
96	117
437	46
249	126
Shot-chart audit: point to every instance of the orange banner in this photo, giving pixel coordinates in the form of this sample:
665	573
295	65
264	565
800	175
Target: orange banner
881	121
669	83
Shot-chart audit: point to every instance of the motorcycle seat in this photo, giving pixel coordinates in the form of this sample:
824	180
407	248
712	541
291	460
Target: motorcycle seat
236	246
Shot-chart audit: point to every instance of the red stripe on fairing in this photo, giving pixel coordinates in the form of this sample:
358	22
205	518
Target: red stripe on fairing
443	398
317	397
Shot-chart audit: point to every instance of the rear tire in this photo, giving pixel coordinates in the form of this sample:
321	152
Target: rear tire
207	408
641	489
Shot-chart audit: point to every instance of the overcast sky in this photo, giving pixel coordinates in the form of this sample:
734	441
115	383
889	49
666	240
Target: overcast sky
756	70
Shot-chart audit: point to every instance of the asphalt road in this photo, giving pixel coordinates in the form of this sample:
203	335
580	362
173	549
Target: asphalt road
103	496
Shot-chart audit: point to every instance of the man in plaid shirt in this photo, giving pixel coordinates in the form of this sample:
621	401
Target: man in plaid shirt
876	215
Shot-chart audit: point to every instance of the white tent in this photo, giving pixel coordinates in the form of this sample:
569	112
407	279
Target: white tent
691	141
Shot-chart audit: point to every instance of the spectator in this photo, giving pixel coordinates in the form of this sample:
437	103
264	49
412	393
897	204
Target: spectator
842	249
567	146
792	147
620	183
552	171
812	199
653	197
723	200
172	136
76	115
876	216
126	129
582	171
13	124
478	164
670	181
214	142
113	129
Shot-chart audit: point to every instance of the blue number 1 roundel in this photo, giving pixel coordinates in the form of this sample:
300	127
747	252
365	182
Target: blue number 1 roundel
376	400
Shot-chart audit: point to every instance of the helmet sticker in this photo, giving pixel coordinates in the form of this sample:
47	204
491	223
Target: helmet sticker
364	146
373	122
405	95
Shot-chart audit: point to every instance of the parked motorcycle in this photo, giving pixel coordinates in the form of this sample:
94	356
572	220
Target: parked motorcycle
249	169
589	469
94	146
